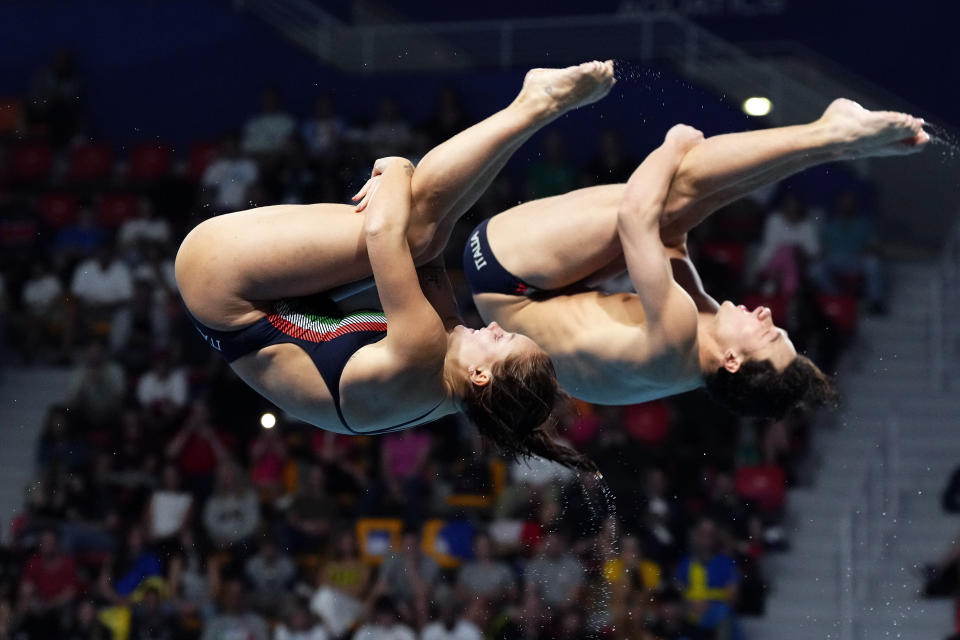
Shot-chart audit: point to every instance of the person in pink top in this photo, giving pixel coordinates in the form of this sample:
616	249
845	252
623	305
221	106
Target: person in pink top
268	457
403	462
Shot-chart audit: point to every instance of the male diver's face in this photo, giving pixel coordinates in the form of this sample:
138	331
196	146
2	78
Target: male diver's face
751	335
482	348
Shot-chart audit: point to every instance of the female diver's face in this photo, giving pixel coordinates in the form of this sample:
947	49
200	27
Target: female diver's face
480	349
751	335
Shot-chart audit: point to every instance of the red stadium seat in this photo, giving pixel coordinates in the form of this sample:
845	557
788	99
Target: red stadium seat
113	209
149	161
31	161
58	209
91	162
777	304
849	283
648	422
842	310
731	255
18	233
201	155
11	115
765	486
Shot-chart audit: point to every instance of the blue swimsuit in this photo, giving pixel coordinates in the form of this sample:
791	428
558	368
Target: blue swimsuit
316	326
484	273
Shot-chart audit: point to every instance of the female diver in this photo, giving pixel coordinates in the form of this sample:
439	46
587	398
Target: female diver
257	285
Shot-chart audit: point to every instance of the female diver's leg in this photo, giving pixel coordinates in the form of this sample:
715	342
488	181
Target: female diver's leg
231	265
452	176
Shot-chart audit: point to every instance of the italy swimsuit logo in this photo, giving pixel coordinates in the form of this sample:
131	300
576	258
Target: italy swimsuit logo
478	260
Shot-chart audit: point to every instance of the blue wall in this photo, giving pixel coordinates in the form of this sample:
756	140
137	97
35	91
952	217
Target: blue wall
175	69
182	70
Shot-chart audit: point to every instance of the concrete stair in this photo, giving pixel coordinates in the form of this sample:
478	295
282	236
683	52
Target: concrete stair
887	373
25	395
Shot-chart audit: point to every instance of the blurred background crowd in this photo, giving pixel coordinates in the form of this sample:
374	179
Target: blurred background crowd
162	507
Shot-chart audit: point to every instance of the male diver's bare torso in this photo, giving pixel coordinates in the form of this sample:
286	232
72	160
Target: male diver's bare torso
600	345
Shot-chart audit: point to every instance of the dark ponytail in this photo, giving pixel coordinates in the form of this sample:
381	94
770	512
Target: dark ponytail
516	408
541	444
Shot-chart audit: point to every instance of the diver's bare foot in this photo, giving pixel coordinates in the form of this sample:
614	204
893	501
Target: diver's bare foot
553	92
861	133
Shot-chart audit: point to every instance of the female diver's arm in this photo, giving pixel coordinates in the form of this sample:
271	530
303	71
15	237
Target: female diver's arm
410	318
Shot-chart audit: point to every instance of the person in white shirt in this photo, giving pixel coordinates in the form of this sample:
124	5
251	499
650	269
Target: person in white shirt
170	507
99	286
232	514
485	578
42	291
103	281
268	131
532	474
163	389
299	624
536	471
234	619
269	572
556	574
386	624
145	227
44	308
230	178
451	626
790	240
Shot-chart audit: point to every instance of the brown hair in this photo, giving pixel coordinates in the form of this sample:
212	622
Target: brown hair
516	409
758	389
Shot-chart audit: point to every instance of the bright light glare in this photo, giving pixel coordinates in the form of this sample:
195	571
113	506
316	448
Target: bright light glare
268	420
757	106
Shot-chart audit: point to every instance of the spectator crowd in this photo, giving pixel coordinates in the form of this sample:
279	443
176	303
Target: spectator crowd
163	510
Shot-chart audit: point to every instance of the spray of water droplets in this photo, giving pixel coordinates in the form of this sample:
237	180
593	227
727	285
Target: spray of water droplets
947	141
603	514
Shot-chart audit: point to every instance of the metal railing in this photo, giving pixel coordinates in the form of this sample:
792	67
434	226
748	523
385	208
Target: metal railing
302	21
945	303
873	511
512	43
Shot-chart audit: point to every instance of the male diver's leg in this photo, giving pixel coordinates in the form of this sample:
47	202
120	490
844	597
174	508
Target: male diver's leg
725	167
556	242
